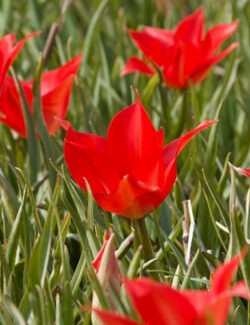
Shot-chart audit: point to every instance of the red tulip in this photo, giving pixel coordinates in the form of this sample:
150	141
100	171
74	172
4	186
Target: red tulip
130	172
158	303
8	52
55	93
108	274
183	55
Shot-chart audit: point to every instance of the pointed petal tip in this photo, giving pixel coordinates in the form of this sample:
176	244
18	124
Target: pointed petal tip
207	123
234	24
63	123
240	170
135	64
223	274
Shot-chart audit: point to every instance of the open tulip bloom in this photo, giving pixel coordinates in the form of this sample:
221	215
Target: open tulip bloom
183	55
159	303
130	172
9	51
55	91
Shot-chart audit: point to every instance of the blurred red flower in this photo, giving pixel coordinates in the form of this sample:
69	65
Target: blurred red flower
8	52
183	55
130	172
158	303
55	93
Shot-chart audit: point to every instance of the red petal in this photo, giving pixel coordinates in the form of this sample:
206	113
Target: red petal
216	312
193	58
223	275
108	273
164	35
216	36
55	104
219	308
113	318
136	65
132	138
53	79
240	289
203	70
86	157
200	299
214	307
172	150
98	259
157	49
221	55
190	29
132	199
55	91
169	178
8	52
157	303
187	59
11	107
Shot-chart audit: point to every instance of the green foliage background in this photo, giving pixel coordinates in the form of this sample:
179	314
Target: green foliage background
50	230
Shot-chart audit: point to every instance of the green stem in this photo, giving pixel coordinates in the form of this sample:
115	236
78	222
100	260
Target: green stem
148	252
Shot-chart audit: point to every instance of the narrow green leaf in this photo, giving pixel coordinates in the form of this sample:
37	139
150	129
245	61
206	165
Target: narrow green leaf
33	146
9	309
15	234
92	30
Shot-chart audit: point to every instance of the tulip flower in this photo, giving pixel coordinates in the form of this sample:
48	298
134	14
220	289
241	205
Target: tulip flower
55	94
8	52
158	303
108	274
130	172
183	55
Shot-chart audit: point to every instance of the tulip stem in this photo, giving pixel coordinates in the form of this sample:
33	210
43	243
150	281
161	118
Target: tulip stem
148	252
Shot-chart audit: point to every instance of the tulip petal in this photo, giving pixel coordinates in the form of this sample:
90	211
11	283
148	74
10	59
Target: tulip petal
223	275
173	149
54	78
240	289
55	92
217	35
8	52
164	35
214	307
113	318
132	199
210	309
98	259
157	303
171	152
132	138
221	55
55	104
11	106
108	274
136	65
86	157
203	69
106	265
157	49
190	29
